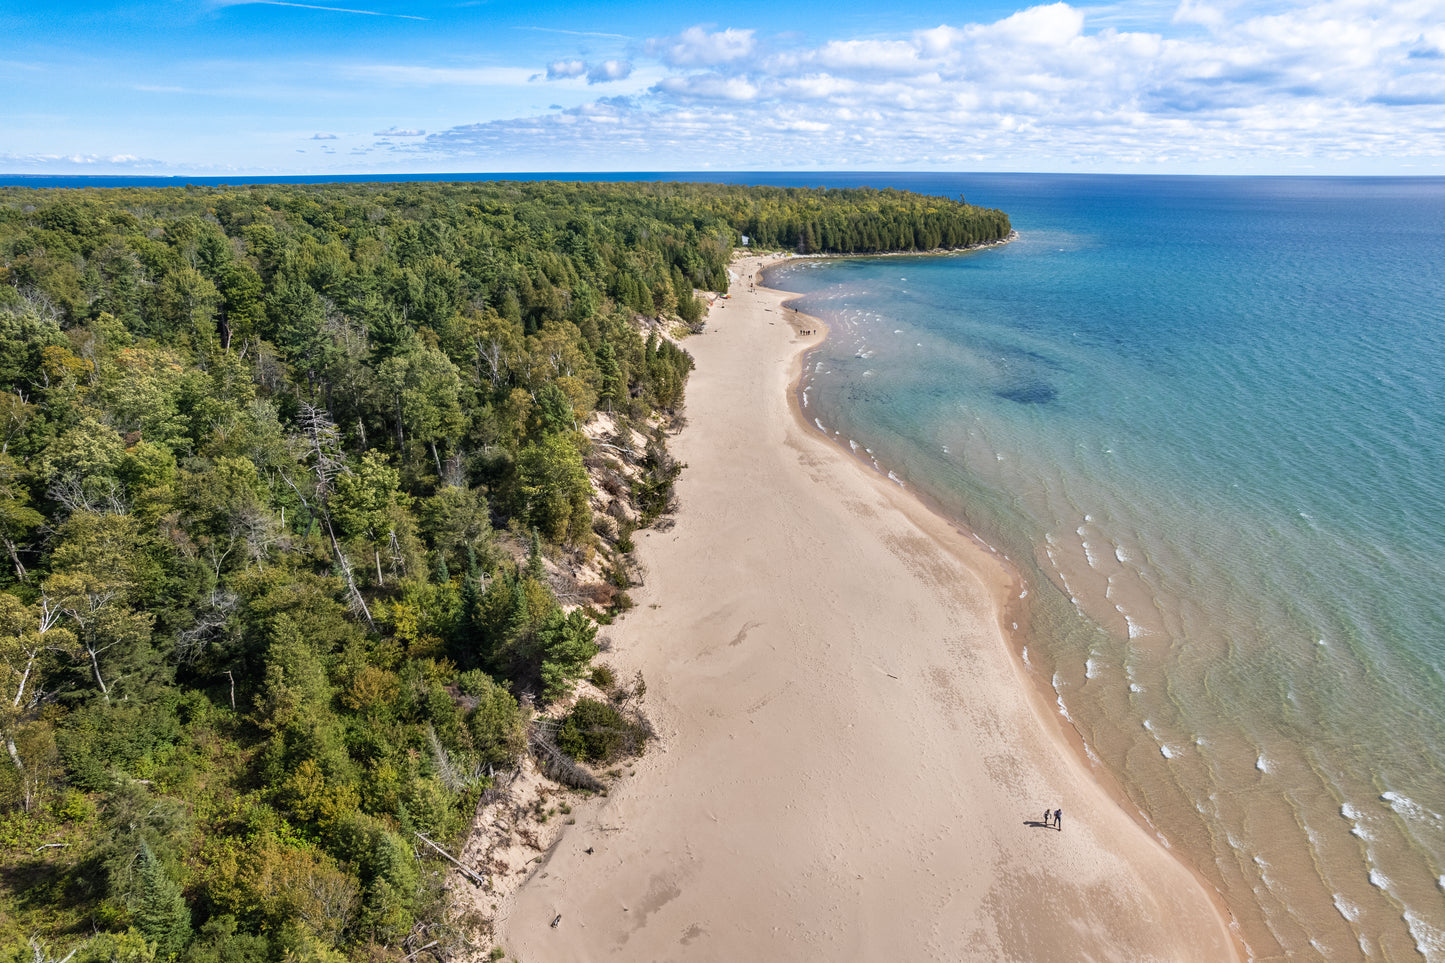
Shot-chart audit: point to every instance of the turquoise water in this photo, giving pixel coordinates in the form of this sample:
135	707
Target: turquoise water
1207	417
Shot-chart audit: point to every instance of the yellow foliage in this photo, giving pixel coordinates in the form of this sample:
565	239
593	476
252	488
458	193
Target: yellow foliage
373	688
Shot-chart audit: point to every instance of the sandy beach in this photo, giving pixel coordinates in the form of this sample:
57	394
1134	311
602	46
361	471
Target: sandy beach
851	763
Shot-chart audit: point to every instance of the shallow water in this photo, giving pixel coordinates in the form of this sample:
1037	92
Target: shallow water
1207	415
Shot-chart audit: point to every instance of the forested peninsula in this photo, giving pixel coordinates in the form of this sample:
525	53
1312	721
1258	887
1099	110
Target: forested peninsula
312	502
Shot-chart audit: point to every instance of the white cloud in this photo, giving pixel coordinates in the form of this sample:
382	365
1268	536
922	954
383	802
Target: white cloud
90	162
564	69
696	47
708	87
881	56
608	71
400	132
1050	26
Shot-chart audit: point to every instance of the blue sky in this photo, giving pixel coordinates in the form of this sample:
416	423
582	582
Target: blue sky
383	86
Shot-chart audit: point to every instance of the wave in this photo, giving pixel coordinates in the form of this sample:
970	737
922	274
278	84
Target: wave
1355	817
1410	809
1429	940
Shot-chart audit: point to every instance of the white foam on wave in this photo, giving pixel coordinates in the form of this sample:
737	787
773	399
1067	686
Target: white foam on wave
1135	687
852	444
1024	594
1120	554
1262	764
1135	629
1165	750
1354	816
1091	667
820	426
868	374
805	397
1089	554
1024	652
1059	697
896	480
1409	808
1429	940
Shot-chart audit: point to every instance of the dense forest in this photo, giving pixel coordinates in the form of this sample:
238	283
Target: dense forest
300	515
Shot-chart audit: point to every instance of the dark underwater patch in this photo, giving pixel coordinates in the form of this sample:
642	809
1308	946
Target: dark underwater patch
1030	393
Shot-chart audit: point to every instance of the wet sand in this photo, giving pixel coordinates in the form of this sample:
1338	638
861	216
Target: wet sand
852	764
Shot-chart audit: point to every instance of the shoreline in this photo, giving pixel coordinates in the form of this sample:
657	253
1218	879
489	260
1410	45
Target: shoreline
1013	611
850	756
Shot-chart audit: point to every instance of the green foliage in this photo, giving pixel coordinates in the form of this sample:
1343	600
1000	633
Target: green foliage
256	623
603	677
596	731
159	909
552	489
562	648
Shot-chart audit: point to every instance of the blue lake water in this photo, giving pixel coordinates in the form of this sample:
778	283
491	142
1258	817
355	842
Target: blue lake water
1207	415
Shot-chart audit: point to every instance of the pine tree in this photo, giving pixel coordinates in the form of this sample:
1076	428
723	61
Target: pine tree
160	910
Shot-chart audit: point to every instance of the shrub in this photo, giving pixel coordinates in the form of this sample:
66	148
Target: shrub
603	677
597	732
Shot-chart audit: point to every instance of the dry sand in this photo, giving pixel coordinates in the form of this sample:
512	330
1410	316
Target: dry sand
852	764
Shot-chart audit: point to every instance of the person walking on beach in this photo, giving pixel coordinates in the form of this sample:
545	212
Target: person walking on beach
1048	817
1059	820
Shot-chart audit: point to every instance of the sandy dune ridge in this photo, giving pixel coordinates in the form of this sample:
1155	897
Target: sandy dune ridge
852	763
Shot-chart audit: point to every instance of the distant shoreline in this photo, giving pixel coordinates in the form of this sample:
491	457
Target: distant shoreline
1013	235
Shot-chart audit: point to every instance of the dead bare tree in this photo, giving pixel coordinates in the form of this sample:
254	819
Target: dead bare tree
323	441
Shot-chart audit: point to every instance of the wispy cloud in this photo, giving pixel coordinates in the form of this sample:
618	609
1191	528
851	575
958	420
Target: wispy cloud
441	76
400	132
323	137
312	6
576	33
